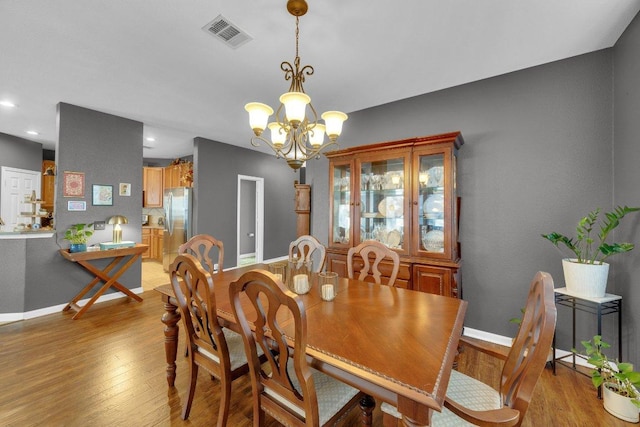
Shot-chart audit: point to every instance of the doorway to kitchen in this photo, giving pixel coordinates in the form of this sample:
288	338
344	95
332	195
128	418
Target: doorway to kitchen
250	220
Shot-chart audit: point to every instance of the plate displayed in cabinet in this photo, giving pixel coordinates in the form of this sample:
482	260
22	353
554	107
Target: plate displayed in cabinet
393	239
434	206
391	207
436	176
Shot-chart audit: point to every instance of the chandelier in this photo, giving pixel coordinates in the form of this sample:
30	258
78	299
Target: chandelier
295	135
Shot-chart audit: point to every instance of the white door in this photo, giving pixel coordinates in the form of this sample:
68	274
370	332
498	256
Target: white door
16	183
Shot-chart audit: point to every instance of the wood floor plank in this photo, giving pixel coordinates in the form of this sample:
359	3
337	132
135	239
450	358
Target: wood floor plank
108	369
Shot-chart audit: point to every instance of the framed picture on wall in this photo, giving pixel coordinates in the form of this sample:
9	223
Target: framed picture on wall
76	205
72	184
102	195
124	189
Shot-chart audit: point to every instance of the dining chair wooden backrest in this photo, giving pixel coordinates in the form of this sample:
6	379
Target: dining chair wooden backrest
202	246
218	350
372	250
308	247
285	386
475	402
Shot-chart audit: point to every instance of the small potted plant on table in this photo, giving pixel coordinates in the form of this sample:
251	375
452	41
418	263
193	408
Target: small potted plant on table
586	275
78	235
619	381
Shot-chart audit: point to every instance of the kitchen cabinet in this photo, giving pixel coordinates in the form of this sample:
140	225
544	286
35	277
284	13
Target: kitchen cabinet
48	185
403	194
152	183
154	237
178	175
146	240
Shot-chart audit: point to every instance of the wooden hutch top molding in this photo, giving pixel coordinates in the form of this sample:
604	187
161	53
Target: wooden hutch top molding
455	137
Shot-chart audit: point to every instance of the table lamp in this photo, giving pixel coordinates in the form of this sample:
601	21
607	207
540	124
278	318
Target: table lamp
116	220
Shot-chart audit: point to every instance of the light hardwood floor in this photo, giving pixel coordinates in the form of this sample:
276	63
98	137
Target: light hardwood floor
153	275
108	369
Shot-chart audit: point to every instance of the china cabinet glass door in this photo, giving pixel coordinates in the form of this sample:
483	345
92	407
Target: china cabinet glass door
383	204
434	206
341	184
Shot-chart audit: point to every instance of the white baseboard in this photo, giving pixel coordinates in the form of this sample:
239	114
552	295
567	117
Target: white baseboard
13	317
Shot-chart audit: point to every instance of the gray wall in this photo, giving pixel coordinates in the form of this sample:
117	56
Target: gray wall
625	181
537	157
216	170
108	149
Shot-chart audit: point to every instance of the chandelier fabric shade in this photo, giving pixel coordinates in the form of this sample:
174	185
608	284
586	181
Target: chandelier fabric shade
296	134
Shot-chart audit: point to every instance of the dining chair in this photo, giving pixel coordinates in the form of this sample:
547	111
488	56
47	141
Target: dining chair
202	246
475	402
309	247
218	350
285	387
371	270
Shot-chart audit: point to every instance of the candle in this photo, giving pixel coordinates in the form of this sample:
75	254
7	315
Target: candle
328	292
301	283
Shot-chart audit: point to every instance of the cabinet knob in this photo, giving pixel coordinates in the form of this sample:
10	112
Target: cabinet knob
415	202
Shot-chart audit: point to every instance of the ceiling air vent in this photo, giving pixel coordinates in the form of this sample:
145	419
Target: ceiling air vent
227	32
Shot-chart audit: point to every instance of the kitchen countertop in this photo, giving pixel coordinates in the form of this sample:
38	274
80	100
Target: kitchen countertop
27	234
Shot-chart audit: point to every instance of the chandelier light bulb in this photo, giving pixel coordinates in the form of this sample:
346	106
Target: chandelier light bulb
295	104
316	136
278	135
333	121
258	116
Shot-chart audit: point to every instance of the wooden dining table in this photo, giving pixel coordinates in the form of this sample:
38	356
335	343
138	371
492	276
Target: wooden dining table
396	345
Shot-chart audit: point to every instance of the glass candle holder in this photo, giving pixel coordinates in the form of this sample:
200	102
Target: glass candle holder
328	282
299	275
279	270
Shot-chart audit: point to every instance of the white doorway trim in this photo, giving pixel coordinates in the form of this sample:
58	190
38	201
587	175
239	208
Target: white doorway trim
259	216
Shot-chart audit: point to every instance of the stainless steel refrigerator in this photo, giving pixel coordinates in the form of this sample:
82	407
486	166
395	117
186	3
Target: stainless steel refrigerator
177	222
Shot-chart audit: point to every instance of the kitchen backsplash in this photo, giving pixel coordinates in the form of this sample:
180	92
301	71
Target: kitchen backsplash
154	214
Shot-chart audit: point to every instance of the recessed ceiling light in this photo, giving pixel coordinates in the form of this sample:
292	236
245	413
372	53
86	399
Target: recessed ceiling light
33	132
7	104
151	139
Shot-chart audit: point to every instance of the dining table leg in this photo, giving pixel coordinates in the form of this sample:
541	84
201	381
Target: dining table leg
170	318
367	404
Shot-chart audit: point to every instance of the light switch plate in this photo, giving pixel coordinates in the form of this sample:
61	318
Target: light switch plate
98	225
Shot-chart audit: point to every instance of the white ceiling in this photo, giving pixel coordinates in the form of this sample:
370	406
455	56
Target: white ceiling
149	60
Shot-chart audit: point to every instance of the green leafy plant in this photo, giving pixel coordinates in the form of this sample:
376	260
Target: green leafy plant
621	376
589	245
78	233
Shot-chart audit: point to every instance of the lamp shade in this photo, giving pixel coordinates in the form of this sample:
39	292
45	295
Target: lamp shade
278	135
316	135
258	116
333	120
295	104
118	219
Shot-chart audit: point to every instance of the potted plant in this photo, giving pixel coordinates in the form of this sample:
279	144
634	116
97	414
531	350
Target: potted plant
586	274
78	235
620	382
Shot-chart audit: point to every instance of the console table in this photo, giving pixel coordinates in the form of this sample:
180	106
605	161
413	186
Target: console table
118	255
608	304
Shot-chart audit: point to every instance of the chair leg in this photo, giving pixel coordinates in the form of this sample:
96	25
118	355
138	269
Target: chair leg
186	408
367	403
225	400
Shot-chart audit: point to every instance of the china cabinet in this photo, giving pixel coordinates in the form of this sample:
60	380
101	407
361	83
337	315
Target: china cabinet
403	194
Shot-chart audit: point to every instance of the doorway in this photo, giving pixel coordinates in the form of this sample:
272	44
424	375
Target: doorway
17	187
250	220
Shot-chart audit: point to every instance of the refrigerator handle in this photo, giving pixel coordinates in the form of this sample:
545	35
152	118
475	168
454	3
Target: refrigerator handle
170	214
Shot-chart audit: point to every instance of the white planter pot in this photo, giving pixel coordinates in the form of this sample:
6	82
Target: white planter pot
585	280
619	406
